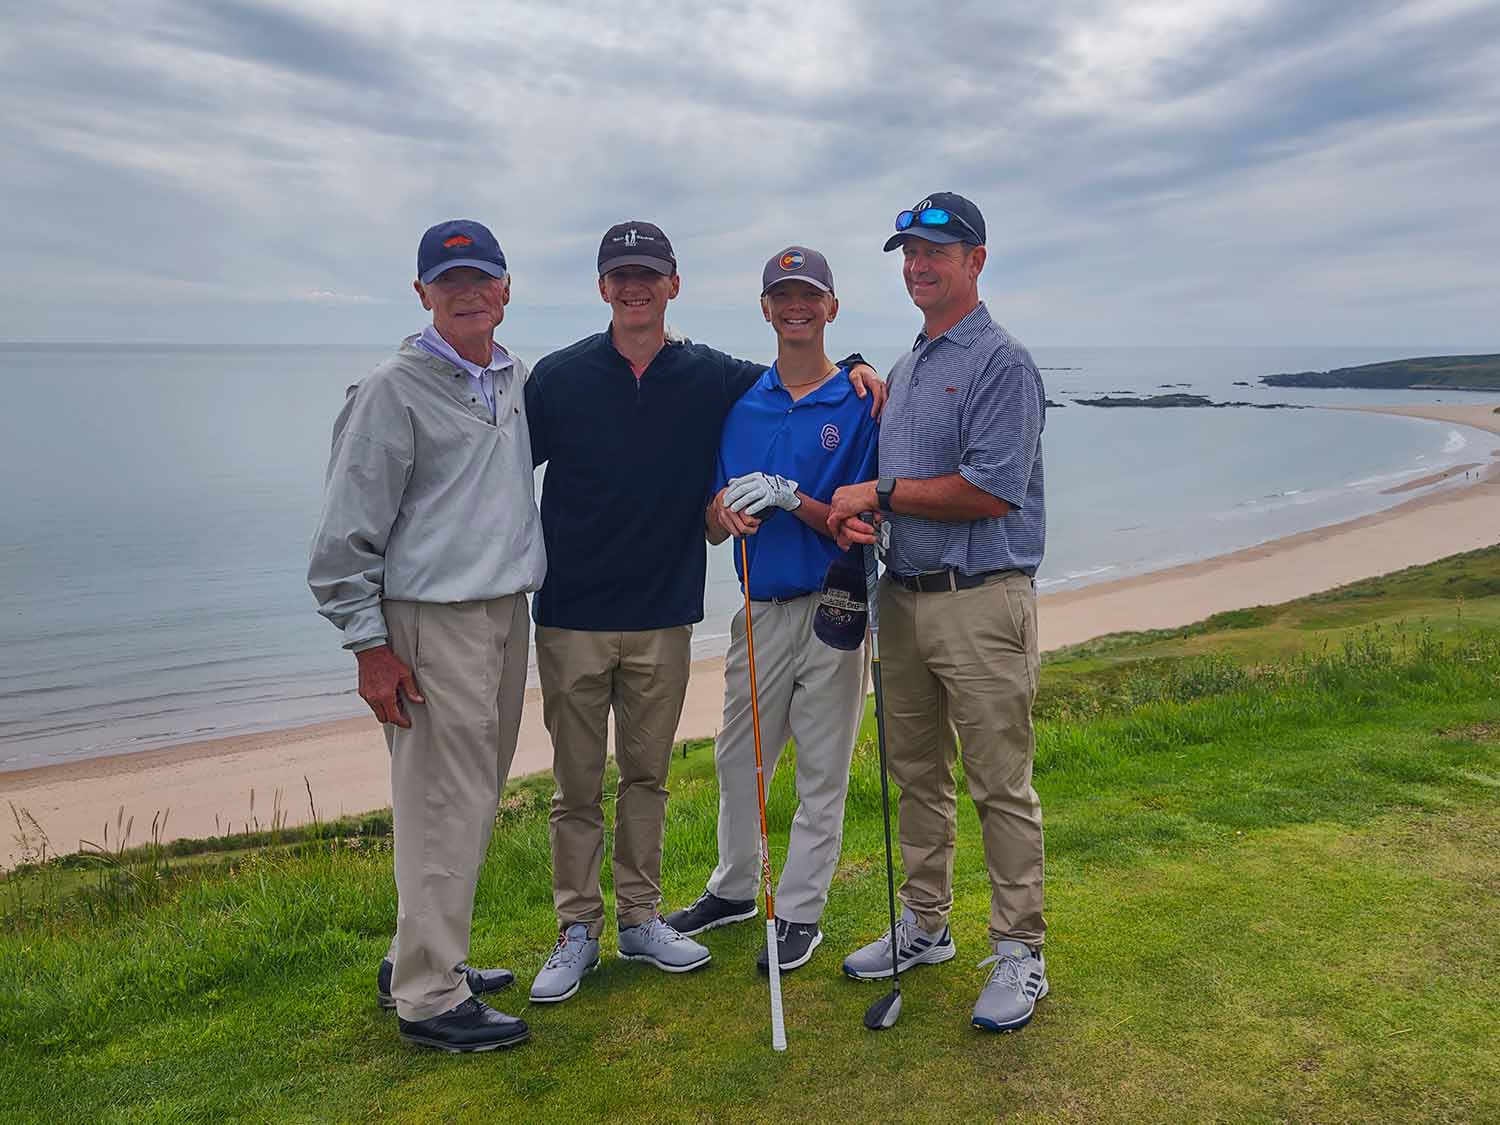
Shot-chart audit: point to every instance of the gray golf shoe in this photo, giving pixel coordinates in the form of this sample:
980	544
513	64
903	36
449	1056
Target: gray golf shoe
914	946
574	955
659	944
1017	981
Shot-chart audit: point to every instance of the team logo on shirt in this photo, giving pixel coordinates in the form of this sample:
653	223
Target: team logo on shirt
830	437
456	241
792	260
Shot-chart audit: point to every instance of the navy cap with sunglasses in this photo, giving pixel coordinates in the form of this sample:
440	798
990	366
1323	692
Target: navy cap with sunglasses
943	216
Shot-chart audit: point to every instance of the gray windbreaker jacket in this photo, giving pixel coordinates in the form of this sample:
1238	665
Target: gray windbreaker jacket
425	498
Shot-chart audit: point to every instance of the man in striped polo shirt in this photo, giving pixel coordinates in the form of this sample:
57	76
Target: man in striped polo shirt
960	483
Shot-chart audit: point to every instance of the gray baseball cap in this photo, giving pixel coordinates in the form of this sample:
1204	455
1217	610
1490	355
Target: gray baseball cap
797	263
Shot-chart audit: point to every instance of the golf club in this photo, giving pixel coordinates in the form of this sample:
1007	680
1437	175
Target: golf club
773	953
883	1014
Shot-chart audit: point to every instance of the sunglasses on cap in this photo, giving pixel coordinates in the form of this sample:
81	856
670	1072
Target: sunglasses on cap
935	217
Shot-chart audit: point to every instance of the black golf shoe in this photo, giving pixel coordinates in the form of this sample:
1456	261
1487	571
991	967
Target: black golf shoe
795	942
709	913
480	981
472	1026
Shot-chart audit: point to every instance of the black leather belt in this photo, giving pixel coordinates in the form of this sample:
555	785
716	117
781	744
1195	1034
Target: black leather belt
950	579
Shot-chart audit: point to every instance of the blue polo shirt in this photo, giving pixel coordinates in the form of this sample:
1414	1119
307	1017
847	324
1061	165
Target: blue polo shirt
823	441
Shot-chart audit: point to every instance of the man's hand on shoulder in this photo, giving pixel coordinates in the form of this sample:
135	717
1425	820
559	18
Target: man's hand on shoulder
384	681
867	384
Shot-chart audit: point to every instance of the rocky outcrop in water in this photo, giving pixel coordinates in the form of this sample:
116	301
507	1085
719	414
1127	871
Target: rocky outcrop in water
1179	401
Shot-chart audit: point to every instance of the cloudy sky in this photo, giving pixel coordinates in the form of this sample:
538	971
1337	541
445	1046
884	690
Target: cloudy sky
1288	171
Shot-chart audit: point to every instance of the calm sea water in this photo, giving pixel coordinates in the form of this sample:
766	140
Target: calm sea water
157	504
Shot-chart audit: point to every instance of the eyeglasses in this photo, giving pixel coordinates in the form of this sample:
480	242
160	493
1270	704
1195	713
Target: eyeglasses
935	217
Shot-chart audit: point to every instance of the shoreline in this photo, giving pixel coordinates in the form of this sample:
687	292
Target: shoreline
229	781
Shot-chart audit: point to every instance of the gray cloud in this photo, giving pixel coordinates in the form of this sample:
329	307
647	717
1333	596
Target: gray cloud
282	39
1151	172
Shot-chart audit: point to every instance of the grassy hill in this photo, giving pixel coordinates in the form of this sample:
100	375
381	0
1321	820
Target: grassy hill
1273	863
1442	372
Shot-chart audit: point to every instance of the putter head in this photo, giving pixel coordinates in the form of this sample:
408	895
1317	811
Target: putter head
883	1014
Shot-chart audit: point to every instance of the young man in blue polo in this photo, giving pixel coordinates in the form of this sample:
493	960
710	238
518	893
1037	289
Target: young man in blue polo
794	437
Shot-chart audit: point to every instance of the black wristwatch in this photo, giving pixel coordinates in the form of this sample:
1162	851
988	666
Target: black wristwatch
883	489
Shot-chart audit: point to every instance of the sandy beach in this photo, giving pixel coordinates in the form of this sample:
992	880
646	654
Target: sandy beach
208	786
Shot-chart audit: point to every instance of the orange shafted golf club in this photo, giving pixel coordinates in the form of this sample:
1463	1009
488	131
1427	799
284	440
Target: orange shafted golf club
773	958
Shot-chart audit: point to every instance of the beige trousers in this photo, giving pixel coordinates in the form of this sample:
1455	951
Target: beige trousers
965	663
642	677
447	772
809	692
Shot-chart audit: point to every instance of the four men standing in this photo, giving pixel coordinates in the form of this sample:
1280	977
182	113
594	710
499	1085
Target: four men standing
430	540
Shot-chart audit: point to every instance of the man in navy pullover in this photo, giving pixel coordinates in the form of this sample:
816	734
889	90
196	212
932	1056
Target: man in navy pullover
628	424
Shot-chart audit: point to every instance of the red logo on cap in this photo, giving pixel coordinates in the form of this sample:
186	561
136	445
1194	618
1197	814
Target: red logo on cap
456	241
791	260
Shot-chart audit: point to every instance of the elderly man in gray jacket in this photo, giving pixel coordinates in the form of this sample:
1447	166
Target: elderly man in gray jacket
428	544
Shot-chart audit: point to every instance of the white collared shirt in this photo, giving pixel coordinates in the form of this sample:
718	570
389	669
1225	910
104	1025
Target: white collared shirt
432	342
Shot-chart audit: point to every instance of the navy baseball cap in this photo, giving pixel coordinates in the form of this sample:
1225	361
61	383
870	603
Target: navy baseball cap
458	242
797	263
960	221
636	243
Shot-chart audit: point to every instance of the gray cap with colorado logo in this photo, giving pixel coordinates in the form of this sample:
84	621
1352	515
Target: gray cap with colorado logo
797	263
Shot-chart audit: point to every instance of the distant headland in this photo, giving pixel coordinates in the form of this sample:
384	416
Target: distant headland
1428	373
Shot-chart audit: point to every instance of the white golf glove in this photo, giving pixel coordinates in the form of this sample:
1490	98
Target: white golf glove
755	492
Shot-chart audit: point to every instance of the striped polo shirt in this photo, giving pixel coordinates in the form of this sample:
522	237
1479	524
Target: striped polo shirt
969	401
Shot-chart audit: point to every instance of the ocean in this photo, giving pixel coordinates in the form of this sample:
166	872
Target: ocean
158	503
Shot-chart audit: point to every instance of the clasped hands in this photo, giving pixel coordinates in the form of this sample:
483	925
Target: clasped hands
854	514
739	504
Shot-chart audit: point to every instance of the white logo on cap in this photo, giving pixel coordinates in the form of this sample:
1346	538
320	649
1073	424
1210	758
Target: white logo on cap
926	203
630	237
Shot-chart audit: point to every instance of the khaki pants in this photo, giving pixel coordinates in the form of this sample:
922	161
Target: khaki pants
809	692
965	663
447	772
641	676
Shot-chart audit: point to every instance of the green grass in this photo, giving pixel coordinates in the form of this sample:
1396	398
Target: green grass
1273	868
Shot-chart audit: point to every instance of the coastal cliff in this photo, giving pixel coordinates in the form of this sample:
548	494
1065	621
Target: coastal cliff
1428	373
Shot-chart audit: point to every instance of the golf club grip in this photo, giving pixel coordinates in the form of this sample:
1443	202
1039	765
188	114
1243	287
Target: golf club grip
773	964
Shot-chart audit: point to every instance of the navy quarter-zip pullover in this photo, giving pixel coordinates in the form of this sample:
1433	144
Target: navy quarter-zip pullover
630	468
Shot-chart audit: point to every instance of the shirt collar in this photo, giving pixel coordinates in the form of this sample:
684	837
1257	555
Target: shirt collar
607	342
965	332
433	340
834	390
